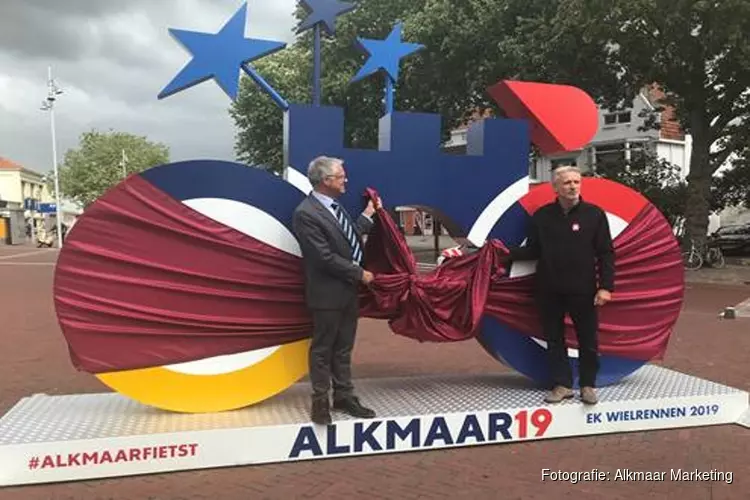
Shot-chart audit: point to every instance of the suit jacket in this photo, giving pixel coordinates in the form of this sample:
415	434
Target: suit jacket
331	277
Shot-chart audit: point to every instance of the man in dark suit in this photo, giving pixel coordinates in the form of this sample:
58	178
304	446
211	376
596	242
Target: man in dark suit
332	252
575	274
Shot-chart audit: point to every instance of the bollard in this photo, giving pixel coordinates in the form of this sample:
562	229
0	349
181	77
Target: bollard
729	313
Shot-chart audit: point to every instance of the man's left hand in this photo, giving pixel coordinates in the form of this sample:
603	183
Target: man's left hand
602	297
373	206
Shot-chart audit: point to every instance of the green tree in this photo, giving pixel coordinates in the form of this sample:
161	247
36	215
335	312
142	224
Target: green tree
697	51
732	187
656	179
97	164
260	122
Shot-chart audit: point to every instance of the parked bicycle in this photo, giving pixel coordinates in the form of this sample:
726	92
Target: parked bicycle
699	255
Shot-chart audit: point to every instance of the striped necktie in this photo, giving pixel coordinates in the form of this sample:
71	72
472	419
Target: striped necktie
349	231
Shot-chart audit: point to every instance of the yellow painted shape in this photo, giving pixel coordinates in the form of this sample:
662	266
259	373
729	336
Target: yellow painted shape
187	393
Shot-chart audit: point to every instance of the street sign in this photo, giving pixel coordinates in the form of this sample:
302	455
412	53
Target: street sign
47	208
30	204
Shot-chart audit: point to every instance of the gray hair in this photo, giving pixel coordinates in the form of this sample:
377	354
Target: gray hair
564	170
320	168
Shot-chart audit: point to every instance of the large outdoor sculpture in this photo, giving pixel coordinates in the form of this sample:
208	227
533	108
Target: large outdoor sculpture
181	286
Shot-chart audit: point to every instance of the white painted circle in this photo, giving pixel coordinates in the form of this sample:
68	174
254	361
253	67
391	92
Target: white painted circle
497	208
219	365
296	179
257	224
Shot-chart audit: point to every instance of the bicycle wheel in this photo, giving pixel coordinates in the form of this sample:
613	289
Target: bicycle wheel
716	258
693	261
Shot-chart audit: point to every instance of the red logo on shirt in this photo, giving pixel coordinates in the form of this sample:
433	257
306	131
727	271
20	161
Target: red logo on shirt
576	227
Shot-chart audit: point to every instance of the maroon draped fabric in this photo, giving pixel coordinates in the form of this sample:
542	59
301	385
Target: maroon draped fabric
447	305
145	281
649	287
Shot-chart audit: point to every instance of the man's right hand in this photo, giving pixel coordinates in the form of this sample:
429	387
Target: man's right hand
367	277
602	297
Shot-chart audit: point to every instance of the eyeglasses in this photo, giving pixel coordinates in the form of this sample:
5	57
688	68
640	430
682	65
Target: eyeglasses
339	176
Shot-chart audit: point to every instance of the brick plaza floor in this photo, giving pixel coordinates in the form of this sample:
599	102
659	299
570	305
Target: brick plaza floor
35	359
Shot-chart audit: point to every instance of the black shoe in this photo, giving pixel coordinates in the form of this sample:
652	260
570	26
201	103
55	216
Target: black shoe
320	412
352	406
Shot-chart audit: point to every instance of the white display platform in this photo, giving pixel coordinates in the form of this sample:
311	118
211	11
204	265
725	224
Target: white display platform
63	438
745	419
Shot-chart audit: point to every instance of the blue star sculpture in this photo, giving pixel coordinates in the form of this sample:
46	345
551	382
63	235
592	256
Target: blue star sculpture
219	56
321	14
386	54
324	12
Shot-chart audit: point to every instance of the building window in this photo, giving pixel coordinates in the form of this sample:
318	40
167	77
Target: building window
622	155
562	162
610	155
639	154
621	117
533	170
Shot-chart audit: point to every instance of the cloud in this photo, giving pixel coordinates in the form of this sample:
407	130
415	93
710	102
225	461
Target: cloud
111	59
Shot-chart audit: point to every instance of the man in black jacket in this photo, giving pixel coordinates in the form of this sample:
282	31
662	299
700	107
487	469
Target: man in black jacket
332	253
571	240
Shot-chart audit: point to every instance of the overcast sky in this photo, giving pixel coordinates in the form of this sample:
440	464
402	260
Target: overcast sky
112	58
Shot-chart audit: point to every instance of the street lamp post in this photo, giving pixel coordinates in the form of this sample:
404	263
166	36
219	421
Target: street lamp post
49	105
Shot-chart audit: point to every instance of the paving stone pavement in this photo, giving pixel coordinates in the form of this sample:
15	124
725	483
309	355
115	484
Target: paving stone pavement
35	359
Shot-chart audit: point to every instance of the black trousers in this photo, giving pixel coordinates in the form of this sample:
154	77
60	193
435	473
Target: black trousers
331	351
583	312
